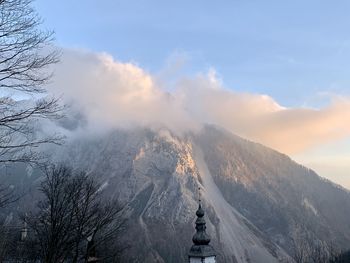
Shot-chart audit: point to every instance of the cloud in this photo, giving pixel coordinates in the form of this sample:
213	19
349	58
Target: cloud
113	94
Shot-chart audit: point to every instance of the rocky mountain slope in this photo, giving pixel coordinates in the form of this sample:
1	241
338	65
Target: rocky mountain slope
257	201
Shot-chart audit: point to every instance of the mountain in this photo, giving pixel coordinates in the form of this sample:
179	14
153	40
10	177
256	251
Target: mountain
258	202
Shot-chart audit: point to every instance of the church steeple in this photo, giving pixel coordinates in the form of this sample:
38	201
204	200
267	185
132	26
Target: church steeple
201	250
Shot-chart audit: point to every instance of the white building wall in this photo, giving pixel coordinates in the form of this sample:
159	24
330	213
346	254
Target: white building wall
206	260
195	260
210	260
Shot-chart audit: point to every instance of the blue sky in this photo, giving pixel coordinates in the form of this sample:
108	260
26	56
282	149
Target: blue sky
295	51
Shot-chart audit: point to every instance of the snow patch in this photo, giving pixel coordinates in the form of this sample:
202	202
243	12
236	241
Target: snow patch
103	186
306	203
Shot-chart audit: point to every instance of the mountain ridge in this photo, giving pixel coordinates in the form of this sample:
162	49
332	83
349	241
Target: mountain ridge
258	202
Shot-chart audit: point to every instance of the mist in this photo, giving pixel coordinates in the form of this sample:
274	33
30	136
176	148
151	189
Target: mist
111	94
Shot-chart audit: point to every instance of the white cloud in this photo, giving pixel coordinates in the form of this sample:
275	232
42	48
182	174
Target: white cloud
113	94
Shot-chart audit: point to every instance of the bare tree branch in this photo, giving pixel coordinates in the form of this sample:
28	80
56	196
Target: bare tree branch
73	219
26	54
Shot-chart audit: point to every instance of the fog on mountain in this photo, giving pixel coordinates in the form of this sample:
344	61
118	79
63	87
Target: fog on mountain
105	163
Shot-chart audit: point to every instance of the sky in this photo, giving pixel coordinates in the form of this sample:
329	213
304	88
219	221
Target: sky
284	64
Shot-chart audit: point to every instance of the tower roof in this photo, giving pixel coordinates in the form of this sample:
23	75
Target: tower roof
201	239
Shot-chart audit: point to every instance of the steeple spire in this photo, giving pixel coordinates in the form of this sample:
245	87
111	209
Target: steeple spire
201	248
200	237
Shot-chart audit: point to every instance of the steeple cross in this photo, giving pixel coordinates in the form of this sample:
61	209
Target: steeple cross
199	195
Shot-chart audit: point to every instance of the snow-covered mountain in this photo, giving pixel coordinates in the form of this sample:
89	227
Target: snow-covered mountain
256	199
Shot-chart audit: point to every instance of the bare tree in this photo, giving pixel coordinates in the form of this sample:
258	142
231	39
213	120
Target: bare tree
301	245
52	224
7	195
26	54
309	249
72	219
340	257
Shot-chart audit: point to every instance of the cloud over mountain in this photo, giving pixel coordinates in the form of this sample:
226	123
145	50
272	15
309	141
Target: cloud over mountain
113	94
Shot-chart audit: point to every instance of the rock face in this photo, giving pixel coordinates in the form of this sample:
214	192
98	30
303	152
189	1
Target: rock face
278	196
256	200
